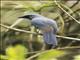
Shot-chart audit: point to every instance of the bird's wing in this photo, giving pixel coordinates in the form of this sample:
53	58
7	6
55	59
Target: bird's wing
40	22
53	24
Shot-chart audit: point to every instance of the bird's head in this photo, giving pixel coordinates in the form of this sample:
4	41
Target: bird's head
30	16
27	17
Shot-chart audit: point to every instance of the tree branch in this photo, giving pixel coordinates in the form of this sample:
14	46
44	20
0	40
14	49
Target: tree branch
60	48
44	51
15	29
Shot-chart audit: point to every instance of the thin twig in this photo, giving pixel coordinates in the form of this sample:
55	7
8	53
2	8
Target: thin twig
75	4
70	11
66	12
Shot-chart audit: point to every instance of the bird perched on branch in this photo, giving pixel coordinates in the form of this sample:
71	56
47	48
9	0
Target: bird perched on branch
48	27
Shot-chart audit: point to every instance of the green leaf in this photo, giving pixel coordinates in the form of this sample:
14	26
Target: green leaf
77	57
3	57
51	55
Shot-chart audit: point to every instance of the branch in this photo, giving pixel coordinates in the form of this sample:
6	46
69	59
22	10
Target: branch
44	51
72	13
70	38
66	12
68	8
60	48
15	23
74	4
62	26
15	29
33	56
67	16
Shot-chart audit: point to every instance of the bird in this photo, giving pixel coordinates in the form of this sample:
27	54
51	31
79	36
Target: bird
48	27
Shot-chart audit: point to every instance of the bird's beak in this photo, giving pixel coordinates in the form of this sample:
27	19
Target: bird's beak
21	17
26	17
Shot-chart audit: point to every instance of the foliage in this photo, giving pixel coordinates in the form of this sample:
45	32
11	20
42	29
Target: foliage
51	55
77	57
11	10
15	52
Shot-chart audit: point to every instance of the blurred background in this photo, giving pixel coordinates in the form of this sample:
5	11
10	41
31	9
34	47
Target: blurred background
65	13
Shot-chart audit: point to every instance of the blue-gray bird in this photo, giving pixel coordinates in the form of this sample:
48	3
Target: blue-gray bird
48	27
